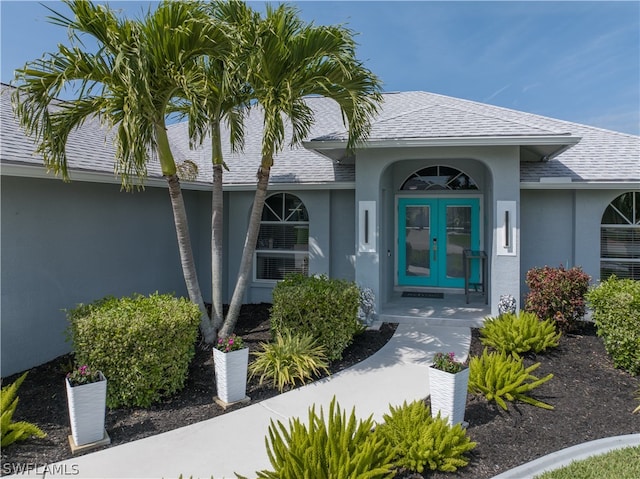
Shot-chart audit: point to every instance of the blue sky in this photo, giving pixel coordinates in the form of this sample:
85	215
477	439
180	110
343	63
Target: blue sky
577	61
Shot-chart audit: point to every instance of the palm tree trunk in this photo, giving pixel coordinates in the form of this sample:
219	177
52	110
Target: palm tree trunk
247	253
186	255
216	247
182	230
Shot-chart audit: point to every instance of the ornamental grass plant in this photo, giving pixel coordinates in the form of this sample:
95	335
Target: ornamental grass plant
500	377
13	431
521	333
289	359
421	442
335	447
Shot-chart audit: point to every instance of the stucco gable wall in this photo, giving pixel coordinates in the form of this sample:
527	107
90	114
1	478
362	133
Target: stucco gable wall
501	182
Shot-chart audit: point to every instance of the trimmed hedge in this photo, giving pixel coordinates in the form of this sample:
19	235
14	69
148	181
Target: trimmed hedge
616	312
558	294
143	345
327	309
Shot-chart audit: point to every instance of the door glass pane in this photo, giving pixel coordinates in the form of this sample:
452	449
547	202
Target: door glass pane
458	238
417	240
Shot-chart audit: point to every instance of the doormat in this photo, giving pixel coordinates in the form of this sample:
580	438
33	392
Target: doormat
422	294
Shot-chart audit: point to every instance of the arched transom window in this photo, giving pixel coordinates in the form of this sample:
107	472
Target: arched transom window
283	241
620	237
439	178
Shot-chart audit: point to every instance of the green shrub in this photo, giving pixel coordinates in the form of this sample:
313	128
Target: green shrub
336	448
521	333
421	442
292	357
501	377
143	345
616	312
558	294
327	309
10	431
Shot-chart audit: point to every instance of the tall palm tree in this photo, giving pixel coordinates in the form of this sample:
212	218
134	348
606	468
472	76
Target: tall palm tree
223	97
128	83
289	61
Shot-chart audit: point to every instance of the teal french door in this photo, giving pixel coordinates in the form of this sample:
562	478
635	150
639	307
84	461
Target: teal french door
432	233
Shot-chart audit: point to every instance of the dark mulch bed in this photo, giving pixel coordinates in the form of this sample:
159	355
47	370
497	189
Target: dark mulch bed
592	400
43	397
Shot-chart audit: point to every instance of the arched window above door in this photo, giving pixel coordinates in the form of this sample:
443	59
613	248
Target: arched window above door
434	178
620	237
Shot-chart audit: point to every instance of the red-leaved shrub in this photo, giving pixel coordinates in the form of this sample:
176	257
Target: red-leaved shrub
558	294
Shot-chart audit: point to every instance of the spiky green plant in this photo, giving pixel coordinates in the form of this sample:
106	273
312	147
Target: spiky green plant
290	358
421	442
501	377
332	448
10	431
521	333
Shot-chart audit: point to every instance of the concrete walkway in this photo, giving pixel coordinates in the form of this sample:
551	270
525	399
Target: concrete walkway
235	442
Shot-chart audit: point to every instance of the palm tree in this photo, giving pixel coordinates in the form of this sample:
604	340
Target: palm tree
128	83
290	60
222	98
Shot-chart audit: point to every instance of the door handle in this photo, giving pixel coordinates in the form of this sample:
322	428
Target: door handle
435	249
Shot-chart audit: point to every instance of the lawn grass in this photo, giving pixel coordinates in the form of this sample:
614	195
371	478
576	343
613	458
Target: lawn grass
619	463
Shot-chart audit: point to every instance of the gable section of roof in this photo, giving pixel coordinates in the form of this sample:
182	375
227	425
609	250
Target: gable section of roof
601	155
444	121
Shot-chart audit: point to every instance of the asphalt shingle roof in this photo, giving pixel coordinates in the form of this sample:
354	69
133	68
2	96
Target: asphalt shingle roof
601	155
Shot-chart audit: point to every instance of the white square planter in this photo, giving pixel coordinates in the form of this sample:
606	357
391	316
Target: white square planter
448	394
231	374
87	408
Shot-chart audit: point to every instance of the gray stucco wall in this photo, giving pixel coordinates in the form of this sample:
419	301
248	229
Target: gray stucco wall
589	208
330	226
64	244
547	230
343	235
562	227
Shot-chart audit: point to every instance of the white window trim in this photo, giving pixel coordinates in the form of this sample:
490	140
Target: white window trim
265	281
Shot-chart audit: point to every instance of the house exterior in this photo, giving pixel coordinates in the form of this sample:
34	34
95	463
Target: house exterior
438	176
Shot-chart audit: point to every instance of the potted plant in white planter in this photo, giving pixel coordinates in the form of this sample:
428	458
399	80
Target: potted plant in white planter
231	359
448	383
86	400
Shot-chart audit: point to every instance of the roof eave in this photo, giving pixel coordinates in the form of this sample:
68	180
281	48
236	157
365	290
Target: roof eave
39	171
581	185
563	140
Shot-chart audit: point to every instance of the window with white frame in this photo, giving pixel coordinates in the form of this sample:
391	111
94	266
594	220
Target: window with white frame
439	177
283	241
620	238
